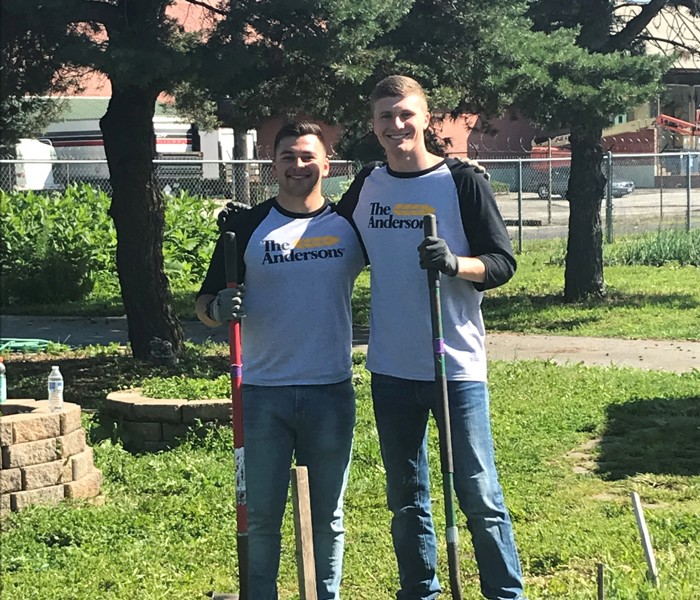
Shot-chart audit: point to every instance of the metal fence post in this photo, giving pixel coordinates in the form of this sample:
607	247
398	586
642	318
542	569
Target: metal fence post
520	206
549	182
233	181
689	185
662	175
609	202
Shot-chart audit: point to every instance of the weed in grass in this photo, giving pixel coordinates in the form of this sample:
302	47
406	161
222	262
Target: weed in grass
668	247
186	387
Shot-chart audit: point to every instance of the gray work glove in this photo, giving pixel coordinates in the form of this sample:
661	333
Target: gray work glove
472	162
434	253
227	305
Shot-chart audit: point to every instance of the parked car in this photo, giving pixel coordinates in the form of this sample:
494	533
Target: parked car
560	183
622	188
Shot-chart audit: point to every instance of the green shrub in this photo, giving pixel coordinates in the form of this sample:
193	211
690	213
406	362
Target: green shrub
53	245
55	248
499	187
189	238
652	250
655	250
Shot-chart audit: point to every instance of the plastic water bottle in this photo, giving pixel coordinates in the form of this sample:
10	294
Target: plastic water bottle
55	390
3	381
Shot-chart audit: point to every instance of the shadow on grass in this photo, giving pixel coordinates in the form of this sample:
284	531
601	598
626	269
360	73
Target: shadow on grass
657	436
520	312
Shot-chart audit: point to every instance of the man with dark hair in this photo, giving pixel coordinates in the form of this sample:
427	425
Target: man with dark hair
387	202
298	260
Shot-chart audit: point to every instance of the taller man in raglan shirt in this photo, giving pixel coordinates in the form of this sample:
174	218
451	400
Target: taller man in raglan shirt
387	202
298	260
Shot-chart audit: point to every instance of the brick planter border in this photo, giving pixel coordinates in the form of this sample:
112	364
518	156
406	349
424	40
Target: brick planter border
45	457
154	424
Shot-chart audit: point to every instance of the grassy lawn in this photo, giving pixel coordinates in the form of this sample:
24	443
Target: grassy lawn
644	302
572	443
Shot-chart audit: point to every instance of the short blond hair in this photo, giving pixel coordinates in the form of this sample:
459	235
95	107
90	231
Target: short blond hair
397	85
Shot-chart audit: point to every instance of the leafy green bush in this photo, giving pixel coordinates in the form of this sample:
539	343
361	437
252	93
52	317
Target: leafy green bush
658	249
57	247
53	245
666	247
499	187
189	238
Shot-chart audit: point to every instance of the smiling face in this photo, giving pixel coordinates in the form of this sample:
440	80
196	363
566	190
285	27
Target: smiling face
299	165
399	122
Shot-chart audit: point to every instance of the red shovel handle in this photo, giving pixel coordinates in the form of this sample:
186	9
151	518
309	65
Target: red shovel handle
236	366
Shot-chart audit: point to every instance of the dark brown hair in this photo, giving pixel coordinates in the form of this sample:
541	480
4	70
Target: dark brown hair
298	129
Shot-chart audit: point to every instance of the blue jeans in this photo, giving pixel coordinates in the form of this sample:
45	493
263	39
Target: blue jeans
401	409
313	423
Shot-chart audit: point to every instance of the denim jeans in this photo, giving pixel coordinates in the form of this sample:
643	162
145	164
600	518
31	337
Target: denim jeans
313	423
401	409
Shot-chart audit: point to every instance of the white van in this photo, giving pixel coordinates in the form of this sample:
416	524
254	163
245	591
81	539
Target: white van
34	175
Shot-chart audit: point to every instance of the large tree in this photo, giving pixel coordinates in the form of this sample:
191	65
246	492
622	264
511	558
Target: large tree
614	76
143	52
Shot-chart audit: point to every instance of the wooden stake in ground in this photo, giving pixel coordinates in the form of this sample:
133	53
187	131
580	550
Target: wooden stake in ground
600	580
646	539
301	502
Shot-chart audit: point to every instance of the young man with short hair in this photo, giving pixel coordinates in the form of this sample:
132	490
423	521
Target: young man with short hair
387	203
298	260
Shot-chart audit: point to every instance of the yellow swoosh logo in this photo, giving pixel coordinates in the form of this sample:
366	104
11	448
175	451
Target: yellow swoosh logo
413	210
317	242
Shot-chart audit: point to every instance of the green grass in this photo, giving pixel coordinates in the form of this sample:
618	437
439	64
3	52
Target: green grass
572	443
643	301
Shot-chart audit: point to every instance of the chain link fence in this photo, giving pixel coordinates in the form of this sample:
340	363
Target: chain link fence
645	192
246	181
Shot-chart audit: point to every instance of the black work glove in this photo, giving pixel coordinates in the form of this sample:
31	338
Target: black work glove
434	253
227	212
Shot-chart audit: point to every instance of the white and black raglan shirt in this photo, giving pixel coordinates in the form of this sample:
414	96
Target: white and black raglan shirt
387	207
299	270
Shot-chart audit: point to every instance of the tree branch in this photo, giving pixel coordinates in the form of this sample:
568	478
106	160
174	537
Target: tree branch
659	41
208	7
634	27
77	11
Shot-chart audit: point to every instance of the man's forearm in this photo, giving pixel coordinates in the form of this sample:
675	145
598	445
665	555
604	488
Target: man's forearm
471	269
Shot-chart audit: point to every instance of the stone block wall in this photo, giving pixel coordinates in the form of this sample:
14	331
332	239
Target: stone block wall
45	457
154	424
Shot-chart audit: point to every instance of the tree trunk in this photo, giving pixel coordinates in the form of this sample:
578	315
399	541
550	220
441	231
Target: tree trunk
583	276
139	218
241	180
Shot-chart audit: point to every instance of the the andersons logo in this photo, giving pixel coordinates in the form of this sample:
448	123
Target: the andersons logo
404	216
311	248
